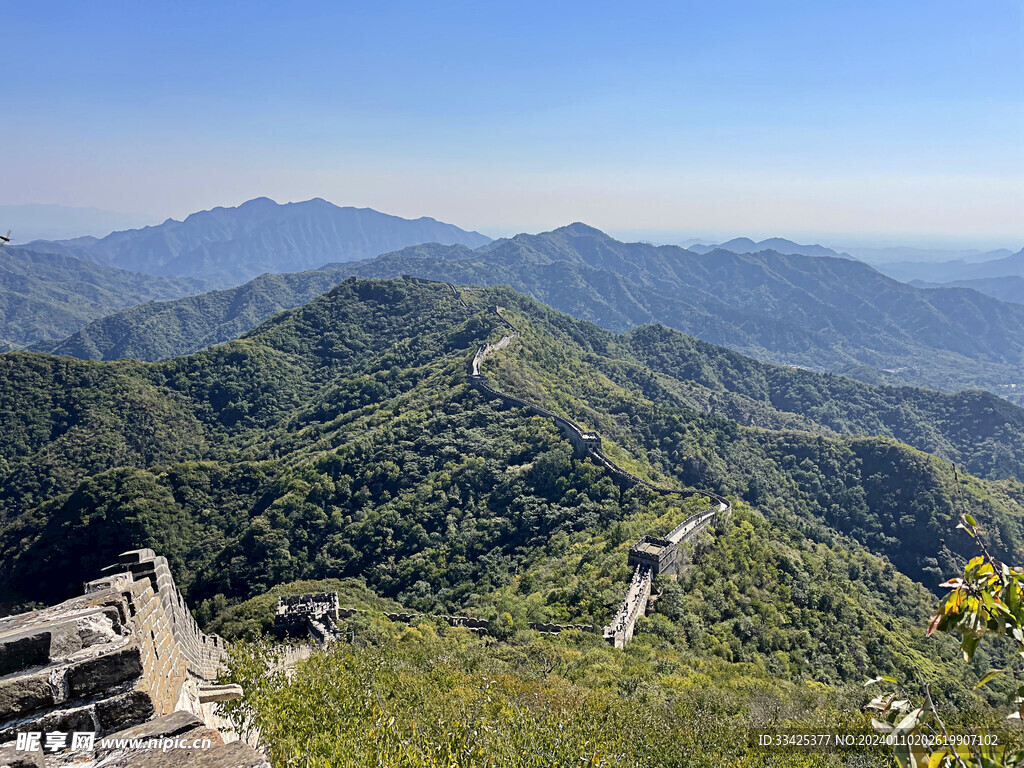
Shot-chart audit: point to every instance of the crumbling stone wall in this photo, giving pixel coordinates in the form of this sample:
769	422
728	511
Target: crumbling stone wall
203	653
547	628
125	653
479	626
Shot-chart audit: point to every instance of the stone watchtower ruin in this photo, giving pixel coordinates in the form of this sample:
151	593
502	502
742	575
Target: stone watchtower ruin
314	615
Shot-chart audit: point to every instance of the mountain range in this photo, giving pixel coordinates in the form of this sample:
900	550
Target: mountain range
47	296
723	382
777	244
232	245
369	365
1008	288
1007	264
824	313
909	254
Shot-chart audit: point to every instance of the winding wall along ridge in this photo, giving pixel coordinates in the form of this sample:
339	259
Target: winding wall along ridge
620	631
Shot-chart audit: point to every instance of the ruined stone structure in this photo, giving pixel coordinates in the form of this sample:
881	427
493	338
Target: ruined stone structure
316	615
479	626
546	628
126	654
313	615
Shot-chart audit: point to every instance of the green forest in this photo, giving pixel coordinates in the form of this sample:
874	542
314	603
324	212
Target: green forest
341	444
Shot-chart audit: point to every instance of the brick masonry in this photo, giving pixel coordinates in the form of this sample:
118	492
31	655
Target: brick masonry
124	654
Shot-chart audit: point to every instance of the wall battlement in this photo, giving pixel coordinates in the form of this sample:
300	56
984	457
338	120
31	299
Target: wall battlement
124	654
651	555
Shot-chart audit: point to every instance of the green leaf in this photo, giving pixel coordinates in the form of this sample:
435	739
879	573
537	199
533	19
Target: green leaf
991	675
909	723
881	726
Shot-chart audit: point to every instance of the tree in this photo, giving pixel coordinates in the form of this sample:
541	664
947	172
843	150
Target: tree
987	599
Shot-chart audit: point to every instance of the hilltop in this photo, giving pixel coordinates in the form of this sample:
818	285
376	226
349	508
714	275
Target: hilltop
236	244
777	244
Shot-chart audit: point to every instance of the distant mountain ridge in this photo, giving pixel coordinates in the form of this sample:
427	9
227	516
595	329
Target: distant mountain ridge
57	222
949	271
778	244
905	253
1010	288
236	244
823	313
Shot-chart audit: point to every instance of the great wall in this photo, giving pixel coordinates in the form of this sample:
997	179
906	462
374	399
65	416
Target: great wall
126	660
649	556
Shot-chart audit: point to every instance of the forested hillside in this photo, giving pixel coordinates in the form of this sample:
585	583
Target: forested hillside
974	428
341	440
831	314
158	330
47	296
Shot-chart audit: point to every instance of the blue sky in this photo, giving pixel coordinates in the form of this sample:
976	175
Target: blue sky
873	121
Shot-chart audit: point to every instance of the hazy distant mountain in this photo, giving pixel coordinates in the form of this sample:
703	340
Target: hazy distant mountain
819	312
1002	288
58	222
900	254
236	244
48	296
746	245
948	271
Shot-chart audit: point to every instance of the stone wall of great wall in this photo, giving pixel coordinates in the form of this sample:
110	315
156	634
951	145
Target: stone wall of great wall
203	653
304	615
620	631
124	657
302	606
547	628
648	555
127	660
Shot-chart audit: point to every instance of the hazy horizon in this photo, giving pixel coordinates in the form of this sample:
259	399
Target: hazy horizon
49	221
804	120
